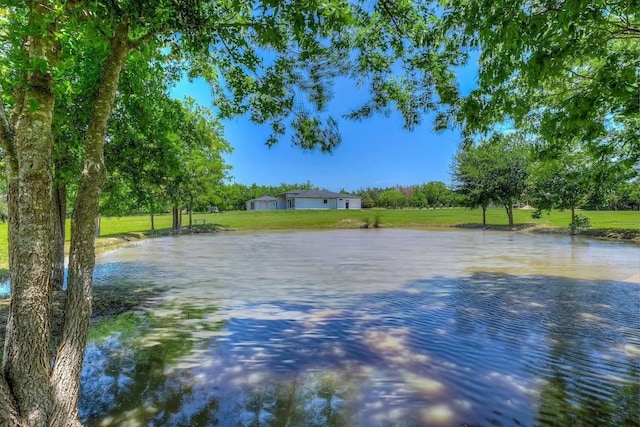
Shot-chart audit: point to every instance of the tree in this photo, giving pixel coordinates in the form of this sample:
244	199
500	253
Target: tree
142	147
369	197
392	198
495	171
561	183
468	172
418	199
568	71
271	60
626	195
436	193
200	166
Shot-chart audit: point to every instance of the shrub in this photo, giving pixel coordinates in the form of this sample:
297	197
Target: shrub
580	221
376	221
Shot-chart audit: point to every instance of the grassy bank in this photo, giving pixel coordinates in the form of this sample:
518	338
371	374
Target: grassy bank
392	218
623	225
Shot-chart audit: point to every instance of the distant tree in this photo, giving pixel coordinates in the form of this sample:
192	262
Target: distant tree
626	195
369	197
142	149
469	174
418	199
561	183
367	200
495	171
436	193
392	199
200	164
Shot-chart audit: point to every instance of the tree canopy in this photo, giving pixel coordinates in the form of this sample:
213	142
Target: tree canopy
494	171
564	70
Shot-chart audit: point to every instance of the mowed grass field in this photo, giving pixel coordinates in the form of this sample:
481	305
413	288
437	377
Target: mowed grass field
391	218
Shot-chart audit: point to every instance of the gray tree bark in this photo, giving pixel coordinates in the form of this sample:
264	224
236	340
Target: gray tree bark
32	391
65	377
29	152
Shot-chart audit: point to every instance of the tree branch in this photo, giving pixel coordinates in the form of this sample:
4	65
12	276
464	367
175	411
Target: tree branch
389	12
627	30
578	74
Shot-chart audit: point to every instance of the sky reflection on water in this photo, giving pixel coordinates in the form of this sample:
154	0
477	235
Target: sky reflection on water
265	330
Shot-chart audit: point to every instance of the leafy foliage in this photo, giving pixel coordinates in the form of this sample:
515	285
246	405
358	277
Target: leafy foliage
580	221
392	199
495	171
566	71
562	183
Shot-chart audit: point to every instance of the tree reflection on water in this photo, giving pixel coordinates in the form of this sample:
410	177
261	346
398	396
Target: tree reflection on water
486	349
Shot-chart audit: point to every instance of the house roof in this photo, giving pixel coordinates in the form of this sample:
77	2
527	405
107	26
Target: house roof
264	199
318	194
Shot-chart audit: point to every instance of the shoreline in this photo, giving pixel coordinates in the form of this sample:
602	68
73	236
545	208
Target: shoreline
619	235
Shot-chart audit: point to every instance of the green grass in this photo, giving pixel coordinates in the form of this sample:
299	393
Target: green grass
393	218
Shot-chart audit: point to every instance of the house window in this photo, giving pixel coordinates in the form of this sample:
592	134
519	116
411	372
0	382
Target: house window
325	201
253	205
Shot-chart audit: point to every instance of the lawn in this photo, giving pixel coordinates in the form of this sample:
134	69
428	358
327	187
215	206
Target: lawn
398	218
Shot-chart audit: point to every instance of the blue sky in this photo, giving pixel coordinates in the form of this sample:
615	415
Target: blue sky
375	152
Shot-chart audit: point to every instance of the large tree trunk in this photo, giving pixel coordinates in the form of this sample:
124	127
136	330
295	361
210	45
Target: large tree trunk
484	216
25	395
8	406
65	377
60	210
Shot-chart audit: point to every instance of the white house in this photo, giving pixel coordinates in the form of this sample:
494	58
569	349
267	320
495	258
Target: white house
317	199
264	203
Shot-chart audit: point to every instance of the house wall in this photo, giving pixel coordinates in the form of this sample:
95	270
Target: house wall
301	203
354	203
304	203
261	205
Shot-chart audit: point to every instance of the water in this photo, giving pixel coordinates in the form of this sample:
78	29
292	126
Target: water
370	328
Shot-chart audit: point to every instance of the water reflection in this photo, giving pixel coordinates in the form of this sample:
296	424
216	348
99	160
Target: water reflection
484	349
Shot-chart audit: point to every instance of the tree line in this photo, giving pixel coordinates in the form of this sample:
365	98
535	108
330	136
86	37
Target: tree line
507	169
233	196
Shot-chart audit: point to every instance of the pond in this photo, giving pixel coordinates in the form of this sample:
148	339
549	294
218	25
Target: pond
370	328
